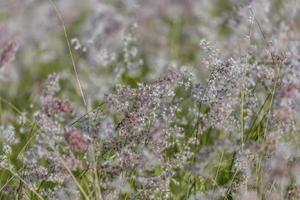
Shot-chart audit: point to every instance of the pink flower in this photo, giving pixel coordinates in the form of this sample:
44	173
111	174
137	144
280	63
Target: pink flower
284	113
57	106
8	52
289	90
76	141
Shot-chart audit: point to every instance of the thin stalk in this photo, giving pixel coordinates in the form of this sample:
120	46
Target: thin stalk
271	103
175	38
74	178
96	175
25	183
70	51
219	165
242	108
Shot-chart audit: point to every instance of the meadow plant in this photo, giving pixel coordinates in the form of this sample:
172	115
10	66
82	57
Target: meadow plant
154	99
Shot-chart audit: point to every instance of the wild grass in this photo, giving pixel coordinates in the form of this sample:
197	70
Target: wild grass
154	100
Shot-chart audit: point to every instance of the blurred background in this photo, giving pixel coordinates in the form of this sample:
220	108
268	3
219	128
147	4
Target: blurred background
128	41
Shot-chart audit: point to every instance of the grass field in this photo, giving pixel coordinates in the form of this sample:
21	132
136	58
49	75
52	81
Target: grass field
150	99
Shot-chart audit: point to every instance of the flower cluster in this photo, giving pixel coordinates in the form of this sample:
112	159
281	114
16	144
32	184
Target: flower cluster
185	99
